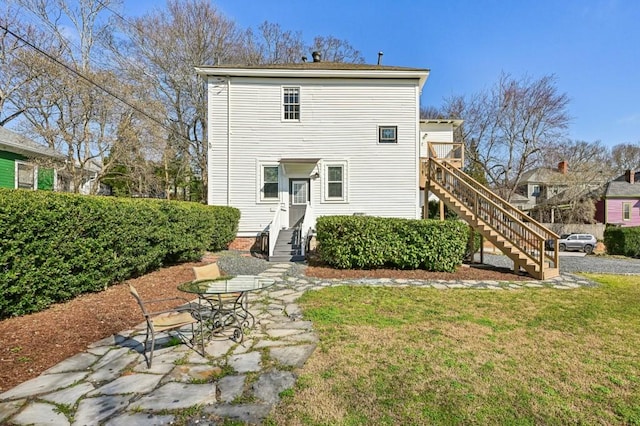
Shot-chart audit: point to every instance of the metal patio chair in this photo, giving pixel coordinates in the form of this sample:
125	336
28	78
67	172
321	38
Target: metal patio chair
170	320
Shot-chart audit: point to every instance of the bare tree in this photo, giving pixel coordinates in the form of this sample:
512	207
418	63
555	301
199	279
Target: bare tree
431	112
509	124
161	52
625	156
590	160
65	105
16	69
271	44
334	49
277	46
95	94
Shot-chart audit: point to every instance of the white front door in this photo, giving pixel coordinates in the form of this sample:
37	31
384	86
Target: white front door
298	197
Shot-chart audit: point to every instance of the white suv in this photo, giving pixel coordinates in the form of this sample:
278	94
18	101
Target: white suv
579	242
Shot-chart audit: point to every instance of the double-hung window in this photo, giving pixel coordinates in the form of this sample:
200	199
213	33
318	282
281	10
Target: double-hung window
626	211
335	182
291	103
270	187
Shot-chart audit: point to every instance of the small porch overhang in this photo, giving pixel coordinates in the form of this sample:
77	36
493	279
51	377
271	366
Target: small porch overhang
299	166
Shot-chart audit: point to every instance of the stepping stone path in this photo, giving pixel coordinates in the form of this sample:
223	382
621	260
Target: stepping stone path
110	383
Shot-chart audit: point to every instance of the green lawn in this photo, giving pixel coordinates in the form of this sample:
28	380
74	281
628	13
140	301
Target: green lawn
424	356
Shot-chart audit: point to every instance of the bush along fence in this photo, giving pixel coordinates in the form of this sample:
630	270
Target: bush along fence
367	242
54	246
622	241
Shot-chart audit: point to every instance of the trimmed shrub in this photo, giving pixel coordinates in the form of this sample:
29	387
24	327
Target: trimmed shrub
54	246
622	241
367	242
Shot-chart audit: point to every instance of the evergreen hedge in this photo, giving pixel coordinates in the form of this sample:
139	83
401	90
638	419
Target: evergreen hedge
54	246
622	241
367	242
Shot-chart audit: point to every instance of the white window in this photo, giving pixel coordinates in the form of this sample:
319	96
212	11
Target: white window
626	211
335	182
270	188
535	191
388	134
291	103
26	176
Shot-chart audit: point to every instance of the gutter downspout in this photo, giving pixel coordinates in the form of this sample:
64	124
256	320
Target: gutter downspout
228	140
418	160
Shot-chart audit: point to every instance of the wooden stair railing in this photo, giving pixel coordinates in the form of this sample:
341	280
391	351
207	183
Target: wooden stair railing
517	235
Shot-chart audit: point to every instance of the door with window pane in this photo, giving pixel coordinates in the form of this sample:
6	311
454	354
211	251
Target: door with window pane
298	197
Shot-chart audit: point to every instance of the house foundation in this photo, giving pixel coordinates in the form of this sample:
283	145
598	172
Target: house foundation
244	243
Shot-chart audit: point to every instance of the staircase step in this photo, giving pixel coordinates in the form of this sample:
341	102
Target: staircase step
285	250
285	258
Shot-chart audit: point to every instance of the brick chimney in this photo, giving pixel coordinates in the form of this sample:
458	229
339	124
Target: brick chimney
630	176
563	167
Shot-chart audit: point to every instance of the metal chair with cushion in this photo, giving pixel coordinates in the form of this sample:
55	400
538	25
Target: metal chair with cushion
170	320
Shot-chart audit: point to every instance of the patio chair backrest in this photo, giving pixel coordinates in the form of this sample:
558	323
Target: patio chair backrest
136	296
210	271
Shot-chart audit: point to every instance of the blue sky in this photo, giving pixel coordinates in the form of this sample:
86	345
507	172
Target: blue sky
591	46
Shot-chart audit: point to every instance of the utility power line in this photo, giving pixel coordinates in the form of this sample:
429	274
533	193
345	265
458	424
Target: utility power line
92	82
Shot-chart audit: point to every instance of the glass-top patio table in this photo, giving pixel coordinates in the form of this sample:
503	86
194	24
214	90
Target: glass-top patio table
224	303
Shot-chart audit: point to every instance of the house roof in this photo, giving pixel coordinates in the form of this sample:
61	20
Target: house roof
552	177
316	69
541	175
18	144
623	189
453	121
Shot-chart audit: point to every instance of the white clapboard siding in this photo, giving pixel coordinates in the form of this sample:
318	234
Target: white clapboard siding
435	132
339	123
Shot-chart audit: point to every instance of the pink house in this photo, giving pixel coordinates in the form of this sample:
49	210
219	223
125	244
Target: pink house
620	204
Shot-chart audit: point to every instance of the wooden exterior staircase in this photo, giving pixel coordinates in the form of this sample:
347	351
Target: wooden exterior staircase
517	235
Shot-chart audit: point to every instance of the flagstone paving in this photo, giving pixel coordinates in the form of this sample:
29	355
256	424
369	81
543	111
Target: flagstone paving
110	383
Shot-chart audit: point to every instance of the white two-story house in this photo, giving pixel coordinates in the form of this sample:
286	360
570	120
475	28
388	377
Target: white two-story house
290	143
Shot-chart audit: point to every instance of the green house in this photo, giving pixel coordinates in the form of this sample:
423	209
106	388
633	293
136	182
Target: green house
25	163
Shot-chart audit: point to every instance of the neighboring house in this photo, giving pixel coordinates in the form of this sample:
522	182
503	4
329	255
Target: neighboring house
520	201
289	143
25	163
541	184
544	191
620	204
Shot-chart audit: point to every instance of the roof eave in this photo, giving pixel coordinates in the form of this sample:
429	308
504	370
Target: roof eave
30	152
420	75
455	122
